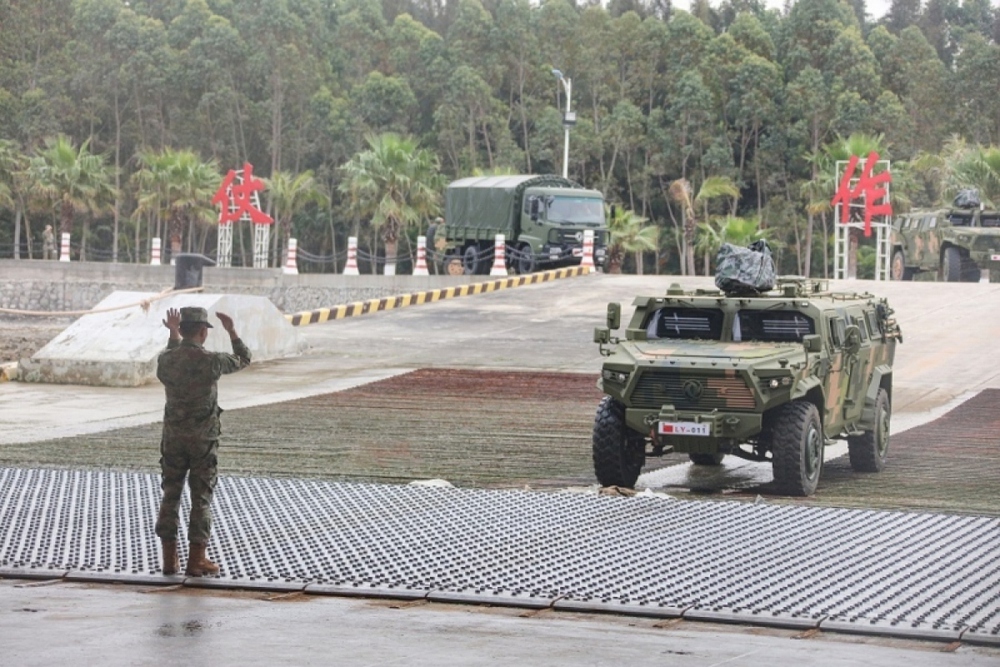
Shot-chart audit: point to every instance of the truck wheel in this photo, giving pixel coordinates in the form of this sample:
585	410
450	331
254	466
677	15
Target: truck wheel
619	452
898	270
706	459
951	265
526	262
868	451
796	436
470	260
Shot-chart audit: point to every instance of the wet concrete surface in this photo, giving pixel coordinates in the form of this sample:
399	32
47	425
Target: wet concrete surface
82	624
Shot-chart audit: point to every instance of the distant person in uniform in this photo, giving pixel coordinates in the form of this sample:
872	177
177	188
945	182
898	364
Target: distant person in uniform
49	243
190	442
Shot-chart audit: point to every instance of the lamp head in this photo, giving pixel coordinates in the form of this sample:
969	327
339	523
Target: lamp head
557	73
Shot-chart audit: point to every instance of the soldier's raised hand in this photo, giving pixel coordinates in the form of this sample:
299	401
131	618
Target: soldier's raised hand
227	322
173	319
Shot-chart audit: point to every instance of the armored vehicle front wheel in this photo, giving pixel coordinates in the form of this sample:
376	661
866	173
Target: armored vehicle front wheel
898	270
706	459
619	452
796	437
951	265
868	451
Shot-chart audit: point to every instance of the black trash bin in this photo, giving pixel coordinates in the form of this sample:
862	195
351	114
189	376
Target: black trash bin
187	269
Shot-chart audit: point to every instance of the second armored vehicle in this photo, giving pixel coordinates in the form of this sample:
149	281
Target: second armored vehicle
774	377
956	243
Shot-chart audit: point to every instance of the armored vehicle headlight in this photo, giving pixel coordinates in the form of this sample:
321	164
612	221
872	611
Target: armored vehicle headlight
614	376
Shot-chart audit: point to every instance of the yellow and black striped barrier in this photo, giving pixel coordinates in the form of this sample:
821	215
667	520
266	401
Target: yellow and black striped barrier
430	296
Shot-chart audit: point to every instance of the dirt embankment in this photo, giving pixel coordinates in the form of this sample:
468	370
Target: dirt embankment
20	338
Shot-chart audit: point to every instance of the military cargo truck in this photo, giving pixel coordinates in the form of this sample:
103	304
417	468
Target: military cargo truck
774	377
542	219
955	243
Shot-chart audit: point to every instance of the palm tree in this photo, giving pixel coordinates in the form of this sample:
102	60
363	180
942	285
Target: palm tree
628	232
289	195
394	183
680	191
72	180
11	163
178	186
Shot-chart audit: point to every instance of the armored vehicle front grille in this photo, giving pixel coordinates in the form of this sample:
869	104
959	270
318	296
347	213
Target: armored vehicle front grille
686	391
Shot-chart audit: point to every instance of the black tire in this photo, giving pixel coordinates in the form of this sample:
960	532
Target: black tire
951	265
868	451
619	452
526	261
471	262
796	437
706	459
898	270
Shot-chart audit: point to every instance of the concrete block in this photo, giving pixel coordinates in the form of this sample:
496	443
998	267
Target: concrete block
117	344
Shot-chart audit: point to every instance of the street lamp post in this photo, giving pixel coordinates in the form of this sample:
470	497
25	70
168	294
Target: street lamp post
569	119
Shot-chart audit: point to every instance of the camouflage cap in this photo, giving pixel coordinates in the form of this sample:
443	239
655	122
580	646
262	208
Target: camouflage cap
192	314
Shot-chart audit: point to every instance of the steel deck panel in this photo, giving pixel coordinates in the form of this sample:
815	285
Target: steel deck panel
931	576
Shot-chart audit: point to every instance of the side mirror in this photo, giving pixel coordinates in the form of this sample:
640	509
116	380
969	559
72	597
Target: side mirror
813	343
852	339
602	335
614	212
614	315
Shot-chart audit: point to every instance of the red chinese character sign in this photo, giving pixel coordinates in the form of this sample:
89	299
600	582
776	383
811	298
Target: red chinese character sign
238	200
861	203
873	189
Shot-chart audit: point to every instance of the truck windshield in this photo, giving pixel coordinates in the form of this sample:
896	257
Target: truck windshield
772	326
574	209
685	323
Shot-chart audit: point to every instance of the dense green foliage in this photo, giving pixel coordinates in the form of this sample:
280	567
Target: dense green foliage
664	97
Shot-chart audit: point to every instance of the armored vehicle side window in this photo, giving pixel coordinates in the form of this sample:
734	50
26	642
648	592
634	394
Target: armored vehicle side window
685	323
872	320
838	331
990	220
860	323
772	326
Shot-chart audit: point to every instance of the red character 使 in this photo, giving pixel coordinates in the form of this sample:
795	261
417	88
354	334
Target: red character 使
236	198
871	187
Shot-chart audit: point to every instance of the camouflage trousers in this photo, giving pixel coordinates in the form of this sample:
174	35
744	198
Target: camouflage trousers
198	462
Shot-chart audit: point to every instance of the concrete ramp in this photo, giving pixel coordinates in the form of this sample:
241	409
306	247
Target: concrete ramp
118	348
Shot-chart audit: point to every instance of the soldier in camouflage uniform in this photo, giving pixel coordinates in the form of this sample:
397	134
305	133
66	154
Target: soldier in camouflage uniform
191	428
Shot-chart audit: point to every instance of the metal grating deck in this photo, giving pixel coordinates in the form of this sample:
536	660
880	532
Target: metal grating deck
895	573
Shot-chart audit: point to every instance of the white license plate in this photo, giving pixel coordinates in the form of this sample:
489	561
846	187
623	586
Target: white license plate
684	428
995	258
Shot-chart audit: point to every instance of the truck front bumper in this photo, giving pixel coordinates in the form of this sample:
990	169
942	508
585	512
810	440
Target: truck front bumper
695	432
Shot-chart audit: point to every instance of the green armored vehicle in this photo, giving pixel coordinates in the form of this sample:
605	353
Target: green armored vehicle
955	243
773	377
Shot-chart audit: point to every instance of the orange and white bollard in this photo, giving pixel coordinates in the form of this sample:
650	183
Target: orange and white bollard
499	257
64	250
351	268
588	250
421	267
154	256
291	267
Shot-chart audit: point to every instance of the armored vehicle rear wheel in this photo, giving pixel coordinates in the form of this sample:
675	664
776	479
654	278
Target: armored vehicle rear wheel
796	437
619	452
470	260
706	459
526	262
868	451
951	265
898	270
